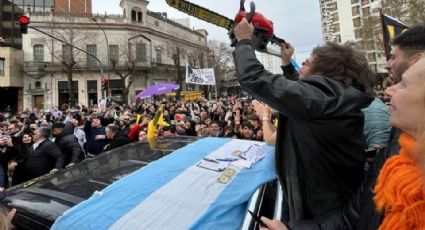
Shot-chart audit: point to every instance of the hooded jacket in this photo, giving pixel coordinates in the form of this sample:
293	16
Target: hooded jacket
320	144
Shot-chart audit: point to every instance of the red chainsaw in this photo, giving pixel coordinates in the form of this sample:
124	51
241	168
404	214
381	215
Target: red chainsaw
263	28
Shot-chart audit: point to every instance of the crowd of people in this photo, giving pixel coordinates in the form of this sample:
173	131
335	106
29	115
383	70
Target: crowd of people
35	142
321	143
345	159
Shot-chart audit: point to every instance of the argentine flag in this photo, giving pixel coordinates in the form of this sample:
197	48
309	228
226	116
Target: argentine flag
174	193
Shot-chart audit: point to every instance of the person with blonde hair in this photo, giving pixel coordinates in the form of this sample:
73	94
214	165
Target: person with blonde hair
393	194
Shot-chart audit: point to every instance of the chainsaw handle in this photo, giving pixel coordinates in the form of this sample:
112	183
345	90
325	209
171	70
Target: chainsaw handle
242	6
251	13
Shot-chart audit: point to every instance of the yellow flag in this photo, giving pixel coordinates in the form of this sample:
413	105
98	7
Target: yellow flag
157	120
138	118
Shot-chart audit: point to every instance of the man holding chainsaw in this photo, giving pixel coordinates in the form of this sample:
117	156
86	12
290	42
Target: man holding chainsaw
320	144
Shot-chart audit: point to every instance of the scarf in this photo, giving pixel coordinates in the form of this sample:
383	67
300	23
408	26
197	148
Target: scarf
400	190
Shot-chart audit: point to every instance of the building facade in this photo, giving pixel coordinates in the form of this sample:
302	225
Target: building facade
345	20
143	43
73	6
11	72
11	79
10	10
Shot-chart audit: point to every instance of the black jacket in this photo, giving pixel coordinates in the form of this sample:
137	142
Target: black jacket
44	158
94	146
320	145
360	212
69	146
118	141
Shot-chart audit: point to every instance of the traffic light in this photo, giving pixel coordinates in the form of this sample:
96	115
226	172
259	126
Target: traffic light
23	22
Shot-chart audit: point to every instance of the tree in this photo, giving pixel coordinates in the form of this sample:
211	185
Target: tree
67	30
411	12
371	41
222	60
125	70
417	12
177	55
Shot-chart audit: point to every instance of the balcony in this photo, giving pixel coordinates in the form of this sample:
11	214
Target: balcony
36	69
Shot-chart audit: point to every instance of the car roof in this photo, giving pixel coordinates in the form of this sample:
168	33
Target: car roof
75	184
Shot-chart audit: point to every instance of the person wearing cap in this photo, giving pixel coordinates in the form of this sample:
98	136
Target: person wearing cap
95	134
67	143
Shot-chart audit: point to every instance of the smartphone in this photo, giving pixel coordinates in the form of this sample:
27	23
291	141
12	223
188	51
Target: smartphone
257	219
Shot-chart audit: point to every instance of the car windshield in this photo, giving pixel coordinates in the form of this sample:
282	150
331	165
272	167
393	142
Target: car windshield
97	173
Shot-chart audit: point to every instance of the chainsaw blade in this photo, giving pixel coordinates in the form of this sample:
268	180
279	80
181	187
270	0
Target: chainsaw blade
201	13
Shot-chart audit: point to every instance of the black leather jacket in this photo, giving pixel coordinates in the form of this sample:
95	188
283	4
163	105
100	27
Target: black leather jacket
320	145
360	212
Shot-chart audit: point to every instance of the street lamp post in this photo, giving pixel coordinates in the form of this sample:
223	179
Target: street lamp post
107	48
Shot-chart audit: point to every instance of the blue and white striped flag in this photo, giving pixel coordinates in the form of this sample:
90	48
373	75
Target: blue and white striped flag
173	193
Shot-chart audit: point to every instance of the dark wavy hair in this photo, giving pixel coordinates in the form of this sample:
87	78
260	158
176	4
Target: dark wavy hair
342	62
411	41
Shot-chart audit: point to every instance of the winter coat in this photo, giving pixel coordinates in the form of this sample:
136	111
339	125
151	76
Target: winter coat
360	212
320	145
376	127
42	160
118	141
67	142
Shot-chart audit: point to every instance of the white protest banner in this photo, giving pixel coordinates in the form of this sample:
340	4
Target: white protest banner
200	76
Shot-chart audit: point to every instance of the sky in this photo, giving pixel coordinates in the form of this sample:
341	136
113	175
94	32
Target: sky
296	21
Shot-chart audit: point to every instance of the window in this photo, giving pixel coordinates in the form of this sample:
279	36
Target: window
38	51
37	84
91	61
357	22
2	66
336	28
66	53
371	57
365	2
133	15
158	55
113	54
140	52
64	92
139	16
335	17
357	33
355	10
332	6
338	38
7	16
354	1
366	12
